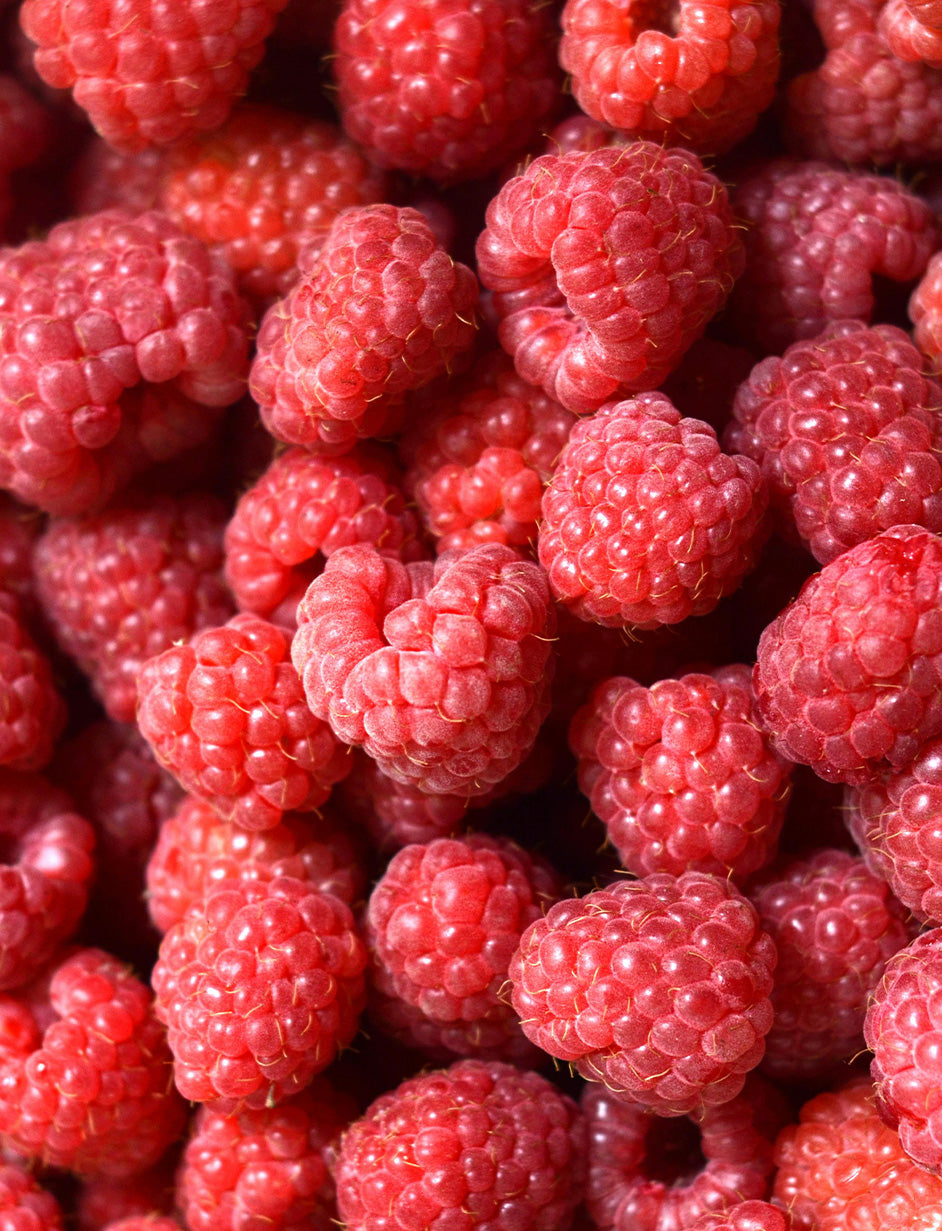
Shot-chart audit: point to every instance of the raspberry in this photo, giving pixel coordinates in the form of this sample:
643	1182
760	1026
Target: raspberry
645	520
449	89
259	985
300	510
681	774
264	188
476	1144
929	12
269	1166
579	323
126	584
925	311
816	237
85	1070
32	713
382	310
847	677
846	430
144	1222
687	74
906	36
195	851
102	304
658	988
102	1200
225	713
478	463
147	75
394	814
24	1206
105	178
745	1216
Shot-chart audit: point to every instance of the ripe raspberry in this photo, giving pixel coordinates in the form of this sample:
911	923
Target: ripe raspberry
906	36
478	463
259	985
32	713
476	1144
19	528
681	774
264	188
383	309
846	430
929	12
925	311
299	511
105	178
24	1206
102	304
394	814
452	95
658	988
745	1216
85	1070
645	520
225	713
848	675
579	323
816	237
685	74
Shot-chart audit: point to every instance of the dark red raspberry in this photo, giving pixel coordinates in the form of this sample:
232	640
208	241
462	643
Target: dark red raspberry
476	1144
24	1206
25	132
123	585
260	985
32	713
645	520
102	304
451	95
686	74
848	676
816	237
85	1072
658	988
226	714
580	323
383	309
681	774
103	1199
745	1216
105	178
439	671
396	813
846	430
906	36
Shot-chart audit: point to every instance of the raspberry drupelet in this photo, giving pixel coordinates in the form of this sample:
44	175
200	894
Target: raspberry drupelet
907	37
32	711
260	985
579	322
848	675
681	774
745	1216
645	520
24	1206
441	671
657	988
476	1144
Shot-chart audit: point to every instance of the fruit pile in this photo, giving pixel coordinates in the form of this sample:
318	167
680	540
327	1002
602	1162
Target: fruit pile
471	615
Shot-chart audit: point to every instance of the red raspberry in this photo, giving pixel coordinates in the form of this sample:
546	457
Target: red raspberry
148	75
102	1199
579	323
85	1072
929	12
225	713
396	813
453	93
645	520
476	1144
24	1206
195	851
848	675
382	310
32	713
260	985
102	304
268	1167
846	430
816	237
681	774
478	463
687	74
745	1216
925	311
144	1222
906	36
126	584
658	988
264	188
105	178
299	511
439	671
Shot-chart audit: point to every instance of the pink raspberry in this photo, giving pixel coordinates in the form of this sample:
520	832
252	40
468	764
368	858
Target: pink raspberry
24	1206
226	714
907	37
476	1144
657	988
85	1072
645	520
32	712
439	671
848	675
579	323
745	1216
393	813
260	985
681	774
383	309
